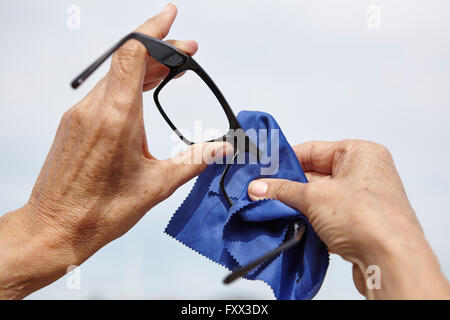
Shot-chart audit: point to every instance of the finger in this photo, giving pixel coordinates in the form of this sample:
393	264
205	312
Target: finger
150	85
159	25
190	162
153	81
157	71
295	194
319	156
314	176
189	47
128	66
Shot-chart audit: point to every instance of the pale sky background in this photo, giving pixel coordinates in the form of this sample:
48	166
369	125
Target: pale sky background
314	65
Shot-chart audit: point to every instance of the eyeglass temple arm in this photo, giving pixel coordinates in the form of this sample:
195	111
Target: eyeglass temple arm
89	70
242	271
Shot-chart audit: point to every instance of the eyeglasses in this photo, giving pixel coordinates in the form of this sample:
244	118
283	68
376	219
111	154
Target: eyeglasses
178	63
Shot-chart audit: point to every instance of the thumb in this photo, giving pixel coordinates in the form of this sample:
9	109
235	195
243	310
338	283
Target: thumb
295	194
192	161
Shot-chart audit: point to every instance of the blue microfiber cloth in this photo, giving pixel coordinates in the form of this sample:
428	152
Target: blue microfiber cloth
238	235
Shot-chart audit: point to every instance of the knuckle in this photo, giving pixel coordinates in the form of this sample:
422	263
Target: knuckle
132	49
378	149
66	116
160	33
307	191
281	191
125	57
383	150
74	115
348	144
366	146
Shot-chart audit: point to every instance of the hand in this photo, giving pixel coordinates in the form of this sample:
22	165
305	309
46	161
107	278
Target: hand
99	177
356	203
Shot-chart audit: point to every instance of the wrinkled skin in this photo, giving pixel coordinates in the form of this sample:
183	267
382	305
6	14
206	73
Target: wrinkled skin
356	203
99	177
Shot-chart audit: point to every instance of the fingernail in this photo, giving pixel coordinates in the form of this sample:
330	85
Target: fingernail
167	7
258	188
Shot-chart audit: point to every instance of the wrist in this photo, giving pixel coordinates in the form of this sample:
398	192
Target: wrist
70	229
407	266
33	254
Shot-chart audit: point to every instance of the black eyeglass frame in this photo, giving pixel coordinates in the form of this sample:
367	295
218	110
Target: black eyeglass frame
179	62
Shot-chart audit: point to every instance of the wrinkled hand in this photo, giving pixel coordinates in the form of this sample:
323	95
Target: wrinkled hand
99	177
356	203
